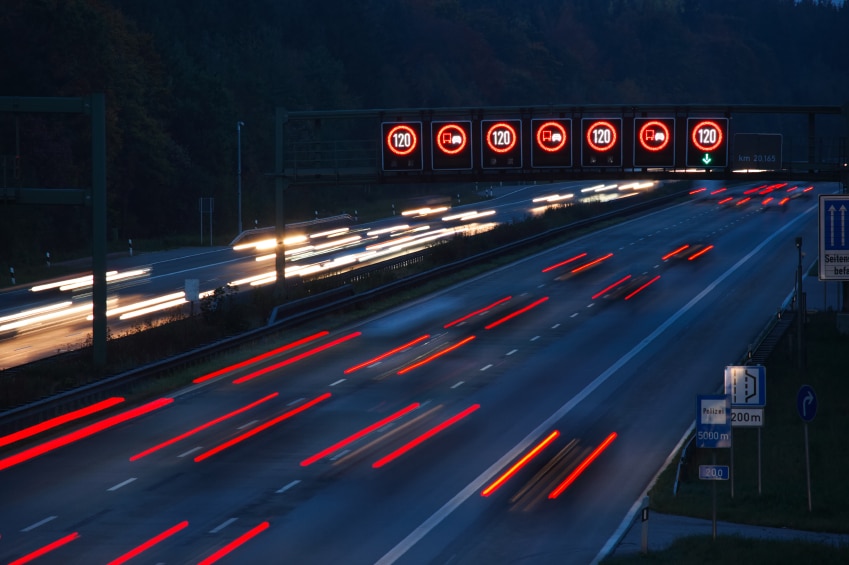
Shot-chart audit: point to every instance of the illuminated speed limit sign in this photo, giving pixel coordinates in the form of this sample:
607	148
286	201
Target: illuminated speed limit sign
601	143
501	144
402	147
707	142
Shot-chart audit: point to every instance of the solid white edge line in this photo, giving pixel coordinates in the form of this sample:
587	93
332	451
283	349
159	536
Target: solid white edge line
437	517
628	520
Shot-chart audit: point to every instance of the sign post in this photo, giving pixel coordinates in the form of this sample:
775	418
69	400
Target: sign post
746	385
806	405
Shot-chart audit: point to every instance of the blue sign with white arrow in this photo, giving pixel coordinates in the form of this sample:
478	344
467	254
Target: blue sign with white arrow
806	403
834	237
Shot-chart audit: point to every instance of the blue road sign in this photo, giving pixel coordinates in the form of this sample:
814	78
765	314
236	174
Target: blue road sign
834	237
714	472
806	403
713	420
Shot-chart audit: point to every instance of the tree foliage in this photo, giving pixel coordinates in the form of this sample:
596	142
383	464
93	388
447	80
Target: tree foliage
178	76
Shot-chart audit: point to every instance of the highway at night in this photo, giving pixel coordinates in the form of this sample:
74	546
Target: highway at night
517	416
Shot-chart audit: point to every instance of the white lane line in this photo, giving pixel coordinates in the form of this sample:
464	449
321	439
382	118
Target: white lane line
485	367
340	381
573	315
192	450
295	401
39	523
591	304
222	525
511	352
459	383
536	337
473	487
290	485
555	326
249	424
119	485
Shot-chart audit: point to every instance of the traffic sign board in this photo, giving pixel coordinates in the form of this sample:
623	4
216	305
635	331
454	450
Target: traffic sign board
451	145
806	403
747	417
501	144
402	146
552	143
654	143
601	142
714	472
707	142
746	384
757	151
834	237
713	420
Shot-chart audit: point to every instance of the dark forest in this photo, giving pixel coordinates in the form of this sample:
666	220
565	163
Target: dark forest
178	76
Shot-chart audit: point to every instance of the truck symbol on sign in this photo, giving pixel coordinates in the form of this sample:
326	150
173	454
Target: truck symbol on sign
451	139
653	135
549	136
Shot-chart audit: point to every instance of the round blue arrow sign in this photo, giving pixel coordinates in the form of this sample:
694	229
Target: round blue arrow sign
806	403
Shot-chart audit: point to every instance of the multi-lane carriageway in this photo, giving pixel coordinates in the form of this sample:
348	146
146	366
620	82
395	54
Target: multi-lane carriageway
518	415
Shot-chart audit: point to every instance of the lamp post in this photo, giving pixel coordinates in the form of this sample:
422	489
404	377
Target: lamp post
239	169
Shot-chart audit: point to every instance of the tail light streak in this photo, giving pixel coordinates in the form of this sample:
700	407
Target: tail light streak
59	420
150	543
46	549
350	370
582	467
642	287
89	430
592	263
476	312
298	357
253	532
262	427
566	262
353	437
439	353
203	427
700	253
519	464
258	358
675	252
427	435
611	287
516	313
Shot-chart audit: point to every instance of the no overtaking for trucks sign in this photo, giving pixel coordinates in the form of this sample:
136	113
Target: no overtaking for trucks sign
834	238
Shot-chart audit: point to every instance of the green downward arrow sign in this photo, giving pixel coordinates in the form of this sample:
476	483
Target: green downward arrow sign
706	159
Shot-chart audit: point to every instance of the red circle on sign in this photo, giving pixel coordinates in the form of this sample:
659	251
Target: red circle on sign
603	144
712	144
405	148
647	135
547	134
451	139
505	137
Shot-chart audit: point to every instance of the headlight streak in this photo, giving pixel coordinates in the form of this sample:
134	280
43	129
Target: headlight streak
82	433
582	467
35	311
48	316
436	355
363	432
46	549
262	427
155	308
350	370
427	435
476	312
611	287
495	485
387	230
291	360
155	302
59	420
202	427
642	287
236	543
149	543
516	313
260	357
566	262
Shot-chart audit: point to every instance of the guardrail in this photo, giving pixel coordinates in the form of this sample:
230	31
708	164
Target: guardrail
124	383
